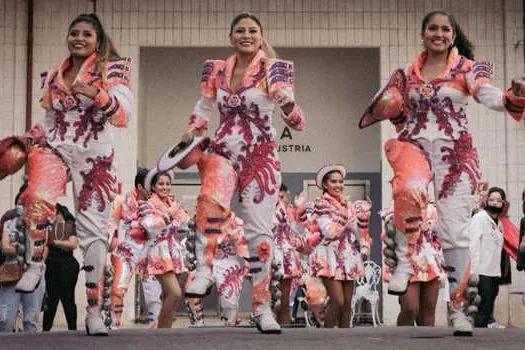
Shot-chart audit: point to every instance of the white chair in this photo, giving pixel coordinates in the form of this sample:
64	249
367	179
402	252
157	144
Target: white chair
366	289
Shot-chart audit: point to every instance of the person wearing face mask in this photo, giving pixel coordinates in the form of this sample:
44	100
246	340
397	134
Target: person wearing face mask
87	95
427	102
486	245
250	87
343	244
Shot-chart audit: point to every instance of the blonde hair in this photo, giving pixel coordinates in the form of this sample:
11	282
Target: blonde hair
266	47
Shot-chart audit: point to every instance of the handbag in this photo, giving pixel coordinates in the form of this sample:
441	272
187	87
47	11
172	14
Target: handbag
11	271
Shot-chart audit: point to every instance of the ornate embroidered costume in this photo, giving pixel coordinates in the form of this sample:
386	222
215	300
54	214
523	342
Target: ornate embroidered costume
285	254
242	157
338	254
75	142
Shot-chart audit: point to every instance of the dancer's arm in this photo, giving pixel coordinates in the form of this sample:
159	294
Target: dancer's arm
115	98
479	83
330	225
363	214
281	89
198	123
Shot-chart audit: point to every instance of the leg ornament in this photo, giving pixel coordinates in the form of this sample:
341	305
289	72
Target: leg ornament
464	298
411	178
94	266
47	179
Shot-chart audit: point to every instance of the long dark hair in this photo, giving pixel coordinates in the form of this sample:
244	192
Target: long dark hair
461	42
106	49
66	214
156	178
266	47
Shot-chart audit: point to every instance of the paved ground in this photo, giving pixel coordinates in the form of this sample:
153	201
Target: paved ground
365	338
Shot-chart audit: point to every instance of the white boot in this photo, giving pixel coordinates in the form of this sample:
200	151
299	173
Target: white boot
203	280
400	278
461	323
33	274
31	278
94	265
463	302
265	321
94	322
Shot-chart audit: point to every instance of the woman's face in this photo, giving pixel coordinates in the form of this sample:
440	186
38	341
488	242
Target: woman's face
438	36
495	200
163	187
82	40
246	37
334	184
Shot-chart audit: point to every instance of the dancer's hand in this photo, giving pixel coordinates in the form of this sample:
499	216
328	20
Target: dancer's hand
365	253
518	87
188	136
281	215
145	208
79	88
522	246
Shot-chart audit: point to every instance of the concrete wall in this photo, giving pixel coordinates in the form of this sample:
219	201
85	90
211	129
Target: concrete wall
495	27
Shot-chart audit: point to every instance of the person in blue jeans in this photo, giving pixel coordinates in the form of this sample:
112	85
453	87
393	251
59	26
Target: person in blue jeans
12	246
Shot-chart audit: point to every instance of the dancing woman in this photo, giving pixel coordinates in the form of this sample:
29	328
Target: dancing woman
89	92
344	245
249	88
426	101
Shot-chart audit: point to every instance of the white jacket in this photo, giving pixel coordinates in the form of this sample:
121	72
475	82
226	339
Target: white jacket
486	243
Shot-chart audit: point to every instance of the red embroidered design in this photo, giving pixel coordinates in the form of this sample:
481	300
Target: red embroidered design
125	252
99	180
60	126
463	158
261	165
87	120
231	286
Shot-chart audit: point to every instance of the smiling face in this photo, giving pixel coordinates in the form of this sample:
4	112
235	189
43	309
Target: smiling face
438	35
334	184
163	187
246	37
82	39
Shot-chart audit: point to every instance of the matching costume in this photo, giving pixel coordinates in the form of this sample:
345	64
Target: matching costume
241	157
434	144
427	259
164	251
229	271
345	238
75	142
129	250
284	231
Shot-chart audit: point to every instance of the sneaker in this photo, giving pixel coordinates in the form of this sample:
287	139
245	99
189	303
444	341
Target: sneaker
495	325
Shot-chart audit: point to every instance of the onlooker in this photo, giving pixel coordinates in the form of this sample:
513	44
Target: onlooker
520	264
61	269
12	264
486	244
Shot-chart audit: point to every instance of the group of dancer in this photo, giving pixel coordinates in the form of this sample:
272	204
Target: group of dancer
426	102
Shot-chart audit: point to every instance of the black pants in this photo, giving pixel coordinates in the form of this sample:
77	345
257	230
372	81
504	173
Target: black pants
61	279
488	290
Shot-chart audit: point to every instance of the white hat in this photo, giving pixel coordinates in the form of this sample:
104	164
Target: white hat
321	173
173	156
